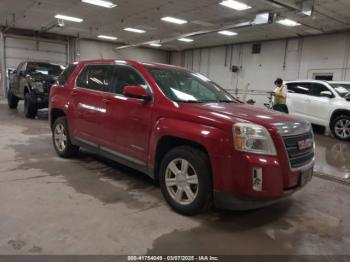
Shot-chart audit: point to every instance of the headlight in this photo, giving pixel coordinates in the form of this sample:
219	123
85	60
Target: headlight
253	139
38	86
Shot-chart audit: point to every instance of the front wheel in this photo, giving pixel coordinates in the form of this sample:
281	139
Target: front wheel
185	180
30	108
61	139
12	100
341	128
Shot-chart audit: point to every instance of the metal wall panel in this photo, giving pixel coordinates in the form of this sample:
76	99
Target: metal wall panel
19	49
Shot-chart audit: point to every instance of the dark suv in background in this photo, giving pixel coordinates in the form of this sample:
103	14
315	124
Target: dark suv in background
31	82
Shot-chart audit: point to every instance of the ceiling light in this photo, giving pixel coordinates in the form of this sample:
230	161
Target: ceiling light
228	33
155	45
187	40
107	37
288	22
69	18
174	20
100	3
235	5
134	30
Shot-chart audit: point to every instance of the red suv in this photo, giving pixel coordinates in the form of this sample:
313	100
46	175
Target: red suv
201	144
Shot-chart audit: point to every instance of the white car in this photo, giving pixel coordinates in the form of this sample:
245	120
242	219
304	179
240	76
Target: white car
322	103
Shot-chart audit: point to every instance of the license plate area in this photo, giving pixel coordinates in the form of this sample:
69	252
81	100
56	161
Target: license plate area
306	176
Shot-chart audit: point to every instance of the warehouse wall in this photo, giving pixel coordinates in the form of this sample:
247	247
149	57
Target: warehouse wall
290	59
95	50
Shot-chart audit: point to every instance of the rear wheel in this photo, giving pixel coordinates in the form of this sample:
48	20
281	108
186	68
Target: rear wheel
185	180
61	139
30	108
12	100
341	128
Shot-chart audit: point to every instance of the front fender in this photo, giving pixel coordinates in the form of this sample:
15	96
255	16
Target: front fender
217	142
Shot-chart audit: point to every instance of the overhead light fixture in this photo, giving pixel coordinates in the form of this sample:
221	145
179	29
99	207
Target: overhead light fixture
134	30
288	22
69	18
107	37
228	33
187	40
235	5
155	45
100	3
174	20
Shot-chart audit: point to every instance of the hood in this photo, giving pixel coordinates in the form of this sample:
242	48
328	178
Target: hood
233	113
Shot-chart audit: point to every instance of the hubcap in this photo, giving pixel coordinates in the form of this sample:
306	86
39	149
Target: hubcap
181	181
60	137
342	128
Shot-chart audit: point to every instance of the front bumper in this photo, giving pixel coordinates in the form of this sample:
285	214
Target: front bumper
239	192
223	200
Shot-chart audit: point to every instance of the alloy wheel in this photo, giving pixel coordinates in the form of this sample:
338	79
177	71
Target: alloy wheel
342	128
181	181
60	137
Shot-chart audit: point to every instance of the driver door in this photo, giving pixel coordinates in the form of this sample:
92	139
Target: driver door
318	105
127	123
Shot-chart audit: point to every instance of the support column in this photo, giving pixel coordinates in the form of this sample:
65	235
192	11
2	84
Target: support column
3	65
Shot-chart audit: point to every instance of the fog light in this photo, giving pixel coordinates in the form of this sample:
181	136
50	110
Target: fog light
257	179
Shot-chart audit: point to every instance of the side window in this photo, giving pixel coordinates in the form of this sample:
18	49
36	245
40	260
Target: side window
63	78
316	89
126	76
299	88
95	77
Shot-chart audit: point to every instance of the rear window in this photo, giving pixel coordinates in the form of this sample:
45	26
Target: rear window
63	78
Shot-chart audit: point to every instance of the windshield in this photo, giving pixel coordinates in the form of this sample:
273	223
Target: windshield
342	89
188	87
44	69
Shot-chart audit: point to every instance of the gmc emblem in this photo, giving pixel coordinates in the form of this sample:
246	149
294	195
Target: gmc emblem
305	144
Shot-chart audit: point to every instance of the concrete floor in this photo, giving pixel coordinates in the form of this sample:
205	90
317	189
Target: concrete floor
94	206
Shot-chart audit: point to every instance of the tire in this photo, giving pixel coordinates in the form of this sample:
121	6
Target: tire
341	128
61	139
30	109
12	100
198	180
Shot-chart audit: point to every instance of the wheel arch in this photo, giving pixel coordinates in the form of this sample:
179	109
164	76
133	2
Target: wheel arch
338	113
56	113
167	143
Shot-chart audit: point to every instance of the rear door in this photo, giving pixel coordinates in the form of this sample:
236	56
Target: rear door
127	122
88	103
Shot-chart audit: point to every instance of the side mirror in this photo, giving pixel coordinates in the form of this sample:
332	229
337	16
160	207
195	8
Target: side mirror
137	92
327	94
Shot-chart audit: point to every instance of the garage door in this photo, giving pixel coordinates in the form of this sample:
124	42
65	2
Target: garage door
23	49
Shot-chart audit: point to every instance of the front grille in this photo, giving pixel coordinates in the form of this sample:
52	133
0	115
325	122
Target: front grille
297	157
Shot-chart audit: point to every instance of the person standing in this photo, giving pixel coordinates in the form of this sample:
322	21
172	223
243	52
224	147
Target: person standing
280	96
